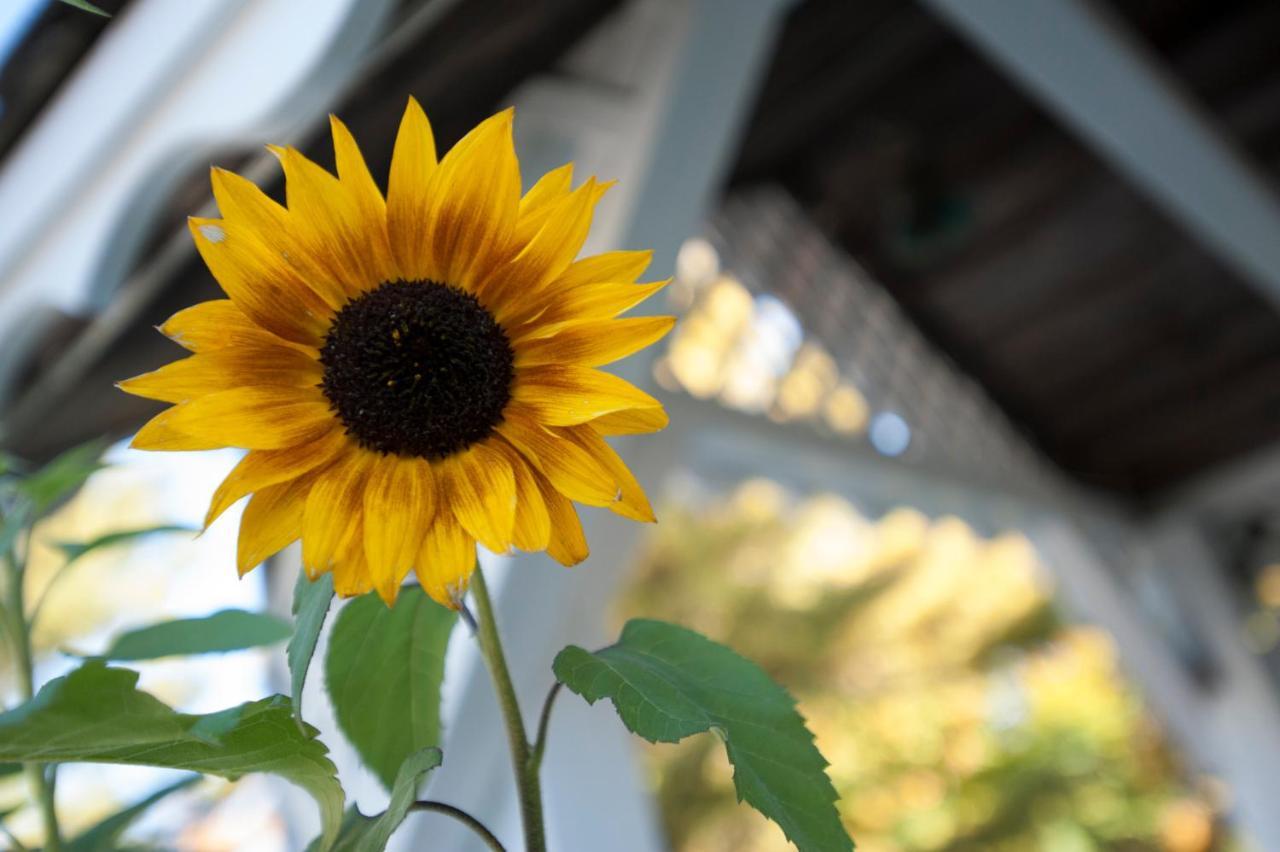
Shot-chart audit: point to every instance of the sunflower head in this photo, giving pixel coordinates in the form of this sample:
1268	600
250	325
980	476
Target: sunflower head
411	373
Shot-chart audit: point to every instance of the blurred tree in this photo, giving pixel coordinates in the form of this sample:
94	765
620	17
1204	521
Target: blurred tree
959	710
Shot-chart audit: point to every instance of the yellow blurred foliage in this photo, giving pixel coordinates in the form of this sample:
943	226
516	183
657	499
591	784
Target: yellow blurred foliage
957	708
727	348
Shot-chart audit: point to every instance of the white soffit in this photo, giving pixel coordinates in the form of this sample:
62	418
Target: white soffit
166	83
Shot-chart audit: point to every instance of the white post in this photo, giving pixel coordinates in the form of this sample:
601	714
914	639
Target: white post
1238	710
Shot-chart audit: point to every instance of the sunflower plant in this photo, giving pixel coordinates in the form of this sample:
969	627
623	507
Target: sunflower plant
412	374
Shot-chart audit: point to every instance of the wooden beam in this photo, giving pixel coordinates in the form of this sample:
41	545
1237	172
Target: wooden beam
1085	67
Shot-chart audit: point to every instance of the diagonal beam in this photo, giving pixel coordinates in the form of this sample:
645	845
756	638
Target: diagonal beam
1087	69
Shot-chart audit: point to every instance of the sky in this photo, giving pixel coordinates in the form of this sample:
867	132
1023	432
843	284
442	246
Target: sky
16	16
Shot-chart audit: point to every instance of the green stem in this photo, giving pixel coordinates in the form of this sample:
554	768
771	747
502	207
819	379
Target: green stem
526	769
463	817
540	742
20	635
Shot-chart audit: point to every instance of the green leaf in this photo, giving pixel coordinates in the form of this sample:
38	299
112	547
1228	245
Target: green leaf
370	834
62	477
226	630
668	682
96	714
86	6
383	673
105	836
73	550
311	600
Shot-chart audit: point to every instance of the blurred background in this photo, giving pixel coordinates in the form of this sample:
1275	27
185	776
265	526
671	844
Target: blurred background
975	395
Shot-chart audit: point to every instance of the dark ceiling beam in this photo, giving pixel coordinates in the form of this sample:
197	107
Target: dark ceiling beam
1145	404
1085	67
1249	397
800	108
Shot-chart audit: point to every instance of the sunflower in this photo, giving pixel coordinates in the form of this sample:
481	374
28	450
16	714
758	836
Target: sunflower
411	374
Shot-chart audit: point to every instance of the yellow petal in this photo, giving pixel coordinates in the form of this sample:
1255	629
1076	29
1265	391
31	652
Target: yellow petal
630	501
532	522
360	186
572	470
413	162
539	202
262	468
593	343
241	200
482	495
592	302
474	199
567	544
622	267
446	561
159	435
247	210
254	282
565	396
639	421
272	520
351	575
328	221
511	286
399	502
262	418
219	324
333	513
224	369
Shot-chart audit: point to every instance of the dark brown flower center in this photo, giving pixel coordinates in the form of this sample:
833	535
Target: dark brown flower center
417	368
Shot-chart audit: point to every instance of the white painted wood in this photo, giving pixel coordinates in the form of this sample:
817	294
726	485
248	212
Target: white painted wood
167	83
1238	715
1247	485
